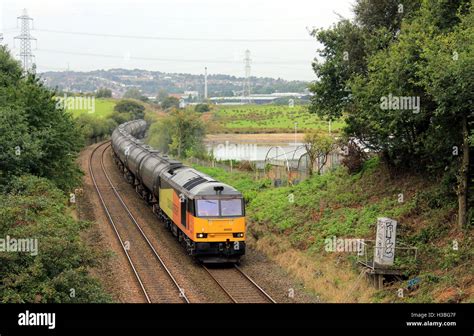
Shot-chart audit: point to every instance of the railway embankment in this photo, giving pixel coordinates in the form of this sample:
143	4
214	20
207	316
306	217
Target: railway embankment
293	225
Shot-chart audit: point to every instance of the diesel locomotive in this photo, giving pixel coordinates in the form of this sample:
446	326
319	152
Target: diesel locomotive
206	216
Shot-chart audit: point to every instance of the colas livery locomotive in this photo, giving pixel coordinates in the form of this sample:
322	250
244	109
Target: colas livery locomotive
205	215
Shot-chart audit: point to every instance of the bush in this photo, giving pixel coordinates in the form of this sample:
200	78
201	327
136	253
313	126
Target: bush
103	93
96	129
202	108
355	158
120	118
170	102
35	209
37	136
136	109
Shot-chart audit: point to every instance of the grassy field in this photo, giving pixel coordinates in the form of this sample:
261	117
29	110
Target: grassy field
103	108
337	204
269	119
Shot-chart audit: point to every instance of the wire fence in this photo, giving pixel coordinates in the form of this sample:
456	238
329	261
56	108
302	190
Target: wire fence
282	172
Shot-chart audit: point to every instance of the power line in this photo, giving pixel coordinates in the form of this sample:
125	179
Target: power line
164	59
170	38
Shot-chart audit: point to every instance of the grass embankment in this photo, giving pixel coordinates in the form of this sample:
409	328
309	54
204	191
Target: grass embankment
103	108
58	271
98	118
269	119
345	206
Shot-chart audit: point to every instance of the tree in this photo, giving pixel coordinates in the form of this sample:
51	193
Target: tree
344	56
202	108
424	60
162	95
448	78
318	147
383	15
170	102
347	48
96	129
180	134
103	93
37	137
134	93
136	109
34	208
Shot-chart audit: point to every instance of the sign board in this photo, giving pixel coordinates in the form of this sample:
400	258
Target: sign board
384	252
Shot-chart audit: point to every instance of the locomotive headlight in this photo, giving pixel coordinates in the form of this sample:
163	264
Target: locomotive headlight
201	235
238	235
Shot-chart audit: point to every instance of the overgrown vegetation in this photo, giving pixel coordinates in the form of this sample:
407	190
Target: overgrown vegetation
33	208
35	136
299	218
270	119
401	72
108	114
104	107
242	181
180	134
39	143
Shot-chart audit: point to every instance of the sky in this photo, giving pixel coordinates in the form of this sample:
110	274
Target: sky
179	36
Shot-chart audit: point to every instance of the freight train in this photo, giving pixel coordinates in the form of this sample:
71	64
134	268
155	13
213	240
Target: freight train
206	216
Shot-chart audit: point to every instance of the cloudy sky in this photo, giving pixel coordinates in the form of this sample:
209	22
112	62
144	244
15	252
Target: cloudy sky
174	35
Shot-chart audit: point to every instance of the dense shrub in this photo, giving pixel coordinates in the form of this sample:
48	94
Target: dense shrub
36	136
136	109
35	209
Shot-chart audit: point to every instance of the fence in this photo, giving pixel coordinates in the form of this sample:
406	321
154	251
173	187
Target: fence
404	255
283	169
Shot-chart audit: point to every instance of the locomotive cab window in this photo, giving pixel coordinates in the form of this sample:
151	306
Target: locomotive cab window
231	207
207	208
219	208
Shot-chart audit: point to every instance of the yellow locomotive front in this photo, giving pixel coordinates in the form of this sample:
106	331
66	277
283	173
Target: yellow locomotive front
219	227
207	216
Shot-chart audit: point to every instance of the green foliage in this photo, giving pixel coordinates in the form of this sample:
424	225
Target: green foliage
317	147
134	108
401	54
103	109
202	108
36	137
286	101
35	209
181	134
347	206
242	181
95	129
162	94
344	55
169	102
103	93
270	119
135	93
108	115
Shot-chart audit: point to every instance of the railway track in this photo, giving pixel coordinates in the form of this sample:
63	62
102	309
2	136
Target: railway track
238	286
154	278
